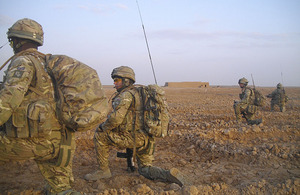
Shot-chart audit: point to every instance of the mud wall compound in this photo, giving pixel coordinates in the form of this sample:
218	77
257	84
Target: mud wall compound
187	84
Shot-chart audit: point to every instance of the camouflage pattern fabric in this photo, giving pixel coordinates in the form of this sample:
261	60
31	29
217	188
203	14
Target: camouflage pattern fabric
31	129
81	101
278	97
117	131
246	105
44	152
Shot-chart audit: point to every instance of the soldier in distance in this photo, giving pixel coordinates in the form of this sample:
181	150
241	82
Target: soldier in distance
278	97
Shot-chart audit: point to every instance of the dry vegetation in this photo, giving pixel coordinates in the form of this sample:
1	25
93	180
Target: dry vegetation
216	155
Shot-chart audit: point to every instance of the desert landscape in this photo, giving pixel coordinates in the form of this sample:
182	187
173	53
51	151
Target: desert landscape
217	155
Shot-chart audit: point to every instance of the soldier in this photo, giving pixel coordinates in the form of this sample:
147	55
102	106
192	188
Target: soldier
278	98
246	105
30	128
117	131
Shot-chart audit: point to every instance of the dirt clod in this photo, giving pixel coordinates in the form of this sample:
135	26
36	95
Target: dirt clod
217	155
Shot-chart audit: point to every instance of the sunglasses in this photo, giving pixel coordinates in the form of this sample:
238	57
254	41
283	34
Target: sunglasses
117	79
11	43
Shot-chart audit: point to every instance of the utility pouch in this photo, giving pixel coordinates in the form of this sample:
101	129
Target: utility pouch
66	148
251	109
19	124
41	119
149	146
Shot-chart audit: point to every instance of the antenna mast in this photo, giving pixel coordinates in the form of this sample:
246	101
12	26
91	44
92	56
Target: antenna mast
146	42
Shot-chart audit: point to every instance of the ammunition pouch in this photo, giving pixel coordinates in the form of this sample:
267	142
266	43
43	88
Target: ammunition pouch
36	119
251	109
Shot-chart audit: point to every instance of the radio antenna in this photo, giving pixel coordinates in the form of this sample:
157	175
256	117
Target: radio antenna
146	42
3	45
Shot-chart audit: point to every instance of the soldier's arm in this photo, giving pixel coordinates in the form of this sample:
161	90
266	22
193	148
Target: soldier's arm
245	99
18	79
116	117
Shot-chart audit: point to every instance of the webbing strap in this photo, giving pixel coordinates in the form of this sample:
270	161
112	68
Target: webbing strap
133	127
65	149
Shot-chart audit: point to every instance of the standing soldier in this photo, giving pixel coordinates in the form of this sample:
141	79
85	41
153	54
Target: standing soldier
30	128
246	105
118	129
278	98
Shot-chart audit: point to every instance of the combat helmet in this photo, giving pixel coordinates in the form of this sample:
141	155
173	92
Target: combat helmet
27	29
124	72
243	81
279	86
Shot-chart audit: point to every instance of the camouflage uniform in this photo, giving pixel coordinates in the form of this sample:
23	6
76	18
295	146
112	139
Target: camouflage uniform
278	98
246	105
118	130
30	128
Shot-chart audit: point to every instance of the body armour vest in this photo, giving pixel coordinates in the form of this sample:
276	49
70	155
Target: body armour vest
35	117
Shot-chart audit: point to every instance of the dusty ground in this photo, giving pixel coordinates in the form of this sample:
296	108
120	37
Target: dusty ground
216	155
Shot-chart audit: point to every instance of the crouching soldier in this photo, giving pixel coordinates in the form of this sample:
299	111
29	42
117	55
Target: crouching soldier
278	97
30	127
245	106
118	129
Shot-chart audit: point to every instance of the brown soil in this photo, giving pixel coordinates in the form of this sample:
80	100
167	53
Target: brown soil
217	155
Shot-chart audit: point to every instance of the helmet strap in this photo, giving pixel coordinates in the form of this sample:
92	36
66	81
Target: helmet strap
21	43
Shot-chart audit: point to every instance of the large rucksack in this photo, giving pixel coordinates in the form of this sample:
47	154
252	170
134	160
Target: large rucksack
81	101
259	98
155	108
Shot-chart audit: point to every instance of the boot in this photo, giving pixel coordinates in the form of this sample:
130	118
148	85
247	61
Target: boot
254	122
175	176
100	174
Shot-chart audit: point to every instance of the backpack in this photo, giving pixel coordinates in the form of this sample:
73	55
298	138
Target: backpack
155	108
259	99
81	101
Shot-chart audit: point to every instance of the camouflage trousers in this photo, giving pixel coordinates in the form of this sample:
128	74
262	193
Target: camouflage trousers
280	104
44	152
122	140
247	111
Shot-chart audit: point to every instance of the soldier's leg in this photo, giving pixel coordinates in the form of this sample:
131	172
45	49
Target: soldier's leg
282	107
58	172
272	105
102	142
250	115
27	148
44	152
237	112
59	178
145	158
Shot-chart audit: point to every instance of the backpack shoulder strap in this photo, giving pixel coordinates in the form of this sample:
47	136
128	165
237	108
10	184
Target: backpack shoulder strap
38	70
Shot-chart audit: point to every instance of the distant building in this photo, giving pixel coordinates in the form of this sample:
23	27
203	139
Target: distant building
187	84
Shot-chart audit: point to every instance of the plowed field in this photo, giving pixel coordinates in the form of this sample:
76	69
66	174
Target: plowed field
217	155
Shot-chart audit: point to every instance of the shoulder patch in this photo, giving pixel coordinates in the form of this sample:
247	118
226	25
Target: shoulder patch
18	73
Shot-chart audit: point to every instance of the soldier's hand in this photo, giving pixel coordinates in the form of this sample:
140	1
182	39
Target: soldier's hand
100	128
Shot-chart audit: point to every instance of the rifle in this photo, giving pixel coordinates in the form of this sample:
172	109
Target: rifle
128	155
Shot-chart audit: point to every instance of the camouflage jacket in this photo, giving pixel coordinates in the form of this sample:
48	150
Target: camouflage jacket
27	98
126	112
247	96
278	95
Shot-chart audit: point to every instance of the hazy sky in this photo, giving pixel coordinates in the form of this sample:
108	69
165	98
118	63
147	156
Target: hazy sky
215	41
